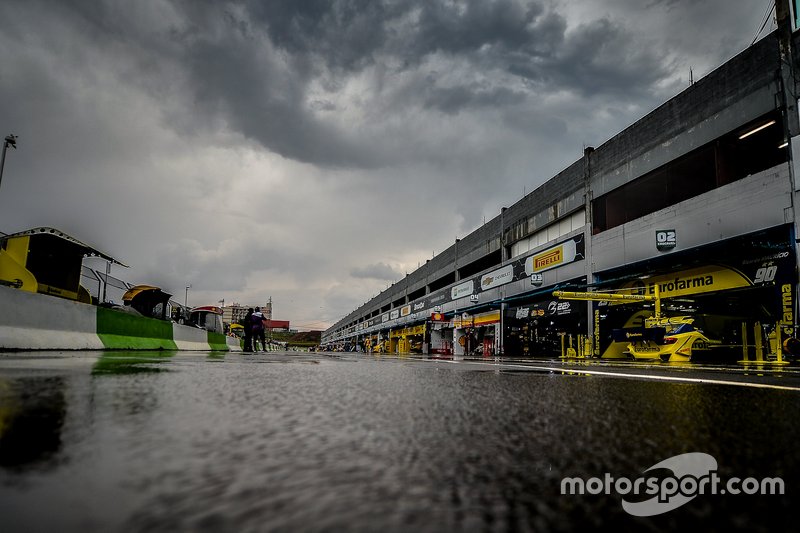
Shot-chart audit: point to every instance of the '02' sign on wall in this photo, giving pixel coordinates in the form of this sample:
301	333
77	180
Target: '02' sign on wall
666	239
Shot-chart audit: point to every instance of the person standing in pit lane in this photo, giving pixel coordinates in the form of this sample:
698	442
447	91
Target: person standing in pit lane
258	330
247	324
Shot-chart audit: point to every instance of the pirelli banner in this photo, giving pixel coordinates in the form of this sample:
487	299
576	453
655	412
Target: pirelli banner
561	254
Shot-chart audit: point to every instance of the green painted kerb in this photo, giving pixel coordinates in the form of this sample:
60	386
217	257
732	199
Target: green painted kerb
217	341
123	331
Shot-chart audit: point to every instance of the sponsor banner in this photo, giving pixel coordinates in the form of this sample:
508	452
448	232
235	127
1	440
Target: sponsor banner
405	332
418	306
405	310
548	308
708	278
462	322
486	318
562	254
462	289
559	307
498	277
761	259
385	317
394	314
437	299
482	319
787	309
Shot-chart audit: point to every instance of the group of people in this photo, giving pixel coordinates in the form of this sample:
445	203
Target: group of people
254	324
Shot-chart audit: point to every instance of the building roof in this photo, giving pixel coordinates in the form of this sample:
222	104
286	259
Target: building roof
88	251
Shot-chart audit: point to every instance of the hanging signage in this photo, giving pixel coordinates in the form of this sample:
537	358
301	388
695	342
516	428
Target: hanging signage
463	289
436	299
557	307
405	332
708	278
463	321
486	318
563	254
498	277
666	239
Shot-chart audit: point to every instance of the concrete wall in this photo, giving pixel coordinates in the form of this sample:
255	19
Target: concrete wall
189	338
30	321
753	203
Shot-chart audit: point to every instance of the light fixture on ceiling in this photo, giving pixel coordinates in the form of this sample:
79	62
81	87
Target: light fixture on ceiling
756	130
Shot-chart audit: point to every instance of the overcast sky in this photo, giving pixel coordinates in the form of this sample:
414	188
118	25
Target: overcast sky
315	151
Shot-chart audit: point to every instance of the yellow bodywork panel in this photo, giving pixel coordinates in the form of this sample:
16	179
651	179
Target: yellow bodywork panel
12	265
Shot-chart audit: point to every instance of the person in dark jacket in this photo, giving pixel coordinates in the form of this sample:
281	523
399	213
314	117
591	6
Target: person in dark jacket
248	330
258	330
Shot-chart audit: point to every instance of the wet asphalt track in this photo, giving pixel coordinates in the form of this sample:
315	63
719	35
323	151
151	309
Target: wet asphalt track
126	441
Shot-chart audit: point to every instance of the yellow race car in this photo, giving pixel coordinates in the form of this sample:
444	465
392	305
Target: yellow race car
672	339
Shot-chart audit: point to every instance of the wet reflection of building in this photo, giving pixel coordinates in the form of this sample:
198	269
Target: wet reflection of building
32	413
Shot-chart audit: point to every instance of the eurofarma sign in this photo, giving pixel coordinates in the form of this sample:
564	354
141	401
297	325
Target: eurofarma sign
708	278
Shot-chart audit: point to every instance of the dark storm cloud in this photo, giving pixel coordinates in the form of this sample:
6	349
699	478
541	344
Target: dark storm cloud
519	38
326	41
467	27
345	34
600	59
250	66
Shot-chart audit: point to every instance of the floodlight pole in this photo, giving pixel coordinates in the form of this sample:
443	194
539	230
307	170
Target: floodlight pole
10	140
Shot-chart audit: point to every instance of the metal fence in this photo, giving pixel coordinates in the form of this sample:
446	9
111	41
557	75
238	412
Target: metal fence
103	287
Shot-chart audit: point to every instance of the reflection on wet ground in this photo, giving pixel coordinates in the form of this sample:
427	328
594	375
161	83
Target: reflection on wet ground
129	441
31	416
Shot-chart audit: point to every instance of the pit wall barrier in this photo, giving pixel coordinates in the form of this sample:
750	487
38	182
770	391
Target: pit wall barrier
31	321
